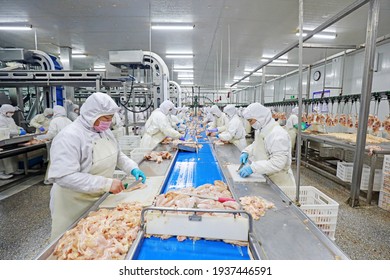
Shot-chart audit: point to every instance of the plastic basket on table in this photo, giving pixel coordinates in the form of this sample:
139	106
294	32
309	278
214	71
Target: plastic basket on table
319	207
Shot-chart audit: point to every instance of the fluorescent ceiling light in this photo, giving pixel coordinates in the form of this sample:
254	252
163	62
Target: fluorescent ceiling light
182	55
78	55
321	35
99	67
279	60
254	74
187	83
172	26
185	78
184	70
10	27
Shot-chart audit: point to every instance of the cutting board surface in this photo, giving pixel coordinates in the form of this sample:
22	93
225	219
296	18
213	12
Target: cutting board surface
145	196
237	178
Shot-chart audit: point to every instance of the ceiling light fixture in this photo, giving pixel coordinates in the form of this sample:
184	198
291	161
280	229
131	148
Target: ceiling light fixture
185	78
16	27
172	26
78	55
279	60
321	35
182	55
254	74
187	83
184	70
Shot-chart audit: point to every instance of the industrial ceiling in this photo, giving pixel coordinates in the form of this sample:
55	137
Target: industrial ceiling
229	36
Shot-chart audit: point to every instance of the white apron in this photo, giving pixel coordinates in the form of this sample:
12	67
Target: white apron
68	205
151	141
281	178
292	132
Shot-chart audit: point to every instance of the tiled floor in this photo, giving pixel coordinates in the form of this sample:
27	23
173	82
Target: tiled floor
362	233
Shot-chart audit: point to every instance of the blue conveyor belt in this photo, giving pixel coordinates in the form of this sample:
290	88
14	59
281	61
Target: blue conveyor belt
171	249
192	169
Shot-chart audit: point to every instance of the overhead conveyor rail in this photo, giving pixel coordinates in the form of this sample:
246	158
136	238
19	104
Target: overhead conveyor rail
56	78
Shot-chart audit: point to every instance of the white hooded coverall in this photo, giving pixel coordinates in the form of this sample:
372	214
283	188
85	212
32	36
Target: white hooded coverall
291	130
235	132
158	126
8	165
220	119
59	122
83	162
42	120
270	152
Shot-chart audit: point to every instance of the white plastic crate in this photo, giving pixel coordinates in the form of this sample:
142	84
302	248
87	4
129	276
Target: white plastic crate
138	154
384	200
319	207
386	164
344	171
377	179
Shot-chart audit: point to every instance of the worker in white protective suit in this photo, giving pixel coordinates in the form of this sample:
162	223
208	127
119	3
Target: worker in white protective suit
270	152
208	118
235	132
245	123
292	126
42	121
220	121
158	126
183	115
84	156
176	123
9	166
59	122
74	113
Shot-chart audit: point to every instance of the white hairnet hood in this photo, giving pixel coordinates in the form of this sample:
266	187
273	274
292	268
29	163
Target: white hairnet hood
48	111
6	108
230	110
295	111
59	111
98	104
258	112
215	111
166	106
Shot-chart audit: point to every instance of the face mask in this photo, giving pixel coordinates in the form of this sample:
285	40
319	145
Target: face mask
256	125
102	126
9	115
49	117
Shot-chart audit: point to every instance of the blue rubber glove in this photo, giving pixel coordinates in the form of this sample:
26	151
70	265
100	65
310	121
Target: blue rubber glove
216	135
212	130
246	171
136	172
182	138
42	129
22	131
244	158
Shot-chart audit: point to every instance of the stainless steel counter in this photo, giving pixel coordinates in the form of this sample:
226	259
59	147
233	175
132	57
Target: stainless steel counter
284	233
349	146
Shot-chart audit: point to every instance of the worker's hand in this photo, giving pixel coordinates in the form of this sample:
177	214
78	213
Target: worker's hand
116	186
244	158
212	130
42	129
22	131
246	171
136	172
